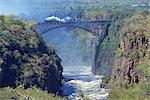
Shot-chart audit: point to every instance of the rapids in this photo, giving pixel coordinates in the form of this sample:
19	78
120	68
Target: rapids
80	78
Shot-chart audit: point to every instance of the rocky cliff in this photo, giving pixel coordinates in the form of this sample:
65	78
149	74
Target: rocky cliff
25	59
130	77
105	50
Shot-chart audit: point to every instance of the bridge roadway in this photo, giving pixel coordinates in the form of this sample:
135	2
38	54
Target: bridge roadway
90	26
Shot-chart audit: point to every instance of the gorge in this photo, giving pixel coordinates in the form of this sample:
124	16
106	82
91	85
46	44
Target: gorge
68	62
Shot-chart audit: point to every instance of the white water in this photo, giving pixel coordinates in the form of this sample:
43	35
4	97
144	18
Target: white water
80	78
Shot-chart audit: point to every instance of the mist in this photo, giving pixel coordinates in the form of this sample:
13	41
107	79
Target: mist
63	39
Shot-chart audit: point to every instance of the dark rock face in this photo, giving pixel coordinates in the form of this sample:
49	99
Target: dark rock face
134	46
24	57
105	52
131	46
103	61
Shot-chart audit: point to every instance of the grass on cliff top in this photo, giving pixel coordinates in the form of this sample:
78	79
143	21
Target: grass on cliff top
30	94
139	91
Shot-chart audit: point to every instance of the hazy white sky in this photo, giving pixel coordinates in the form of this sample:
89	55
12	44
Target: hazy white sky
24	6
14	6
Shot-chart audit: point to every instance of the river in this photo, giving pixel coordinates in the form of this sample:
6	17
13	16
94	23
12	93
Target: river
80	78
77	78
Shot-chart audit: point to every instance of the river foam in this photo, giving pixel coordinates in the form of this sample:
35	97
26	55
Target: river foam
80	78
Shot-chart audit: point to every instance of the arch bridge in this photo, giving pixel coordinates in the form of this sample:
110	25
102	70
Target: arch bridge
95	27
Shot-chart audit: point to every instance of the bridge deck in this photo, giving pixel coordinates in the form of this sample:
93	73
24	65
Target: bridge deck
91	26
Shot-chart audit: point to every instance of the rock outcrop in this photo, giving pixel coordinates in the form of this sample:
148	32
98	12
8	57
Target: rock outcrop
133	47
131	67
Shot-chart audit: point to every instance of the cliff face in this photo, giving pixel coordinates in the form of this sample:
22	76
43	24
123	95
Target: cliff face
103	60
133	47
130	78
25	59
105	50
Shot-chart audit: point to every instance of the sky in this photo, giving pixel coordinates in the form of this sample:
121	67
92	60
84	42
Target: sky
14	6
32	6
27	7
36	9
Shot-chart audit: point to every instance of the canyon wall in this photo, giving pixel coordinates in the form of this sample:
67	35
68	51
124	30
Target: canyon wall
130	77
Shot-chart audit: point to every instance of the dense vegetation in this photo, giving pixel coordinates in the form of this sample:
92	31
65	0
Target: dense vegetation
25	59
130	78
26	94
